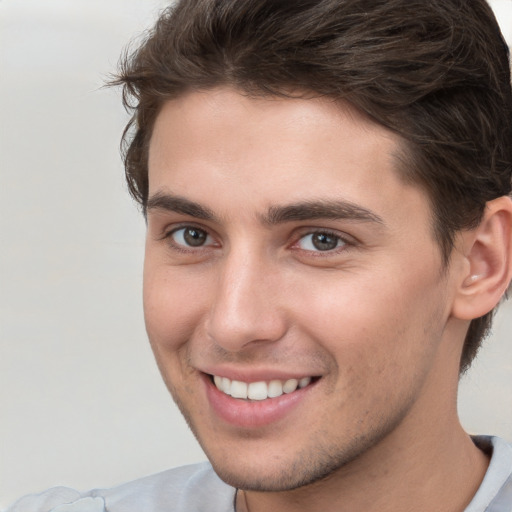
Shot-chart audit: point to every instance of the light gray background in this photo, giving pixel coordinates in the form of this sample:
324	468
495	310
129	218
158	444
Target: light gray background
81	402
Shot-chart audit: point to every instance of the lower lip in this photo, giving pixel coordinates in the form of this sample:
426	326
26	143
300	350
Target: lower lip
252	414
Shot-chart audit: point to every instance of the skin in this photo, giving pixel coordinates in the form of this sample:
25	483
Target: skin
372	318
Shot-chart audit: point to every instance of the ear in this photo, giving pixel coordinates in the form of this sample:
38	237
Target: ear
487	268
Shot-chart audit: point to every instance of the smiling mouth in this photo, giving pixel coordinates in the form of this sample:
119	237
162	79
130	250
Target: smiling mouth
260	390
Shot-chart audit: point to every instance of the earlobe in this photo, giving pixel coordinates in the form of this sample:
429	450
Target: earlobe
488	266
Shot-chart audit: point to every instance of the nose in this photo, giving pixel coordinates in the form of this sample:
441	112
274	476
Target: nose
246	309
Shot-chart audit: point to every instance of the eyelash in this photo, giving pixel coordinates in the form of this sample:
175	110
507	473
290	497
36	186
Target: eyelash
183	247
343	242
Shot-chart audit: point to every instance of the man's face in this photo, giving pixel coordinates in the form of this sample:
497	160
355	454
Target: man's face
283	251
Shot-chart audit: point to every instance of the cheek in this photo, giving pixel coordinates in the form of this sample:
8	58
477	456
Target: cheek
172	315
172	307
377	332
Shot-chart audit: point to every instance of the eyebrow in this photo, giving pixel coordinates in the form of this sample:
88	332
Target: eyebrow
321	209
300	211
178	204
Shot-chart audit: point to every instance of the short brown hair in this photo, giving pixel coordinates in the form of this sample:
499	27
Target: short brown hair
436	72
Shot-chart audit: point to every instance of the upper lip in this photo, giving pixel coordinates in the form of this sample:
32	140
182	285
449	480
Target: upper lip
255	374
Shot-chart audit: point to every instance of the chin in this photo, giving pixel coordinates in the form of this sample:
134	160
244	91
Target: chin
302	468
313	463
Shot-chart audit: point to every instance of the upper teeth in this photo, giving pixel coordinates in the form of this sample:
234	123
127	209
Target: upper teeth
258	390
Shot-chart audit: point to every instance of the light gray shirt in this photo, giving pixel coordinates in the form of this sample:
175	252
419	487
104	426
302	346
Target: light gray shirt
196	488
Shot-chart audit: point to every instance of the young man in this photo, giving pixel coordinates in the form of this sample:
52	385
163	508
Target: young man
329	230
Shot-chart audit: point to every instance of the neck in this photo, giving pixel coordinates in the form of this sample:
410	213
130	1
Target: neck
441	471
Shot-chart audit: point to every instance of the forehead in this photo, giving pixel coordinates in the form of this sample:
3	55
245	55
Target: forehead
255	152
201	117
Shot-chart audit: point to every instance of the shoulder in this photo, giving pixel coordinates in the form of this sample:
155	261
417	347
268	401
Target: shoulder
495	492
185	489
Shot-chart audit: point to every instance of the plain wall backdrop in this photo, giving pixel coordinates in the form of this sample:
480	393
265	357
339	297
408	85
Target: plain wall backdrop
81	400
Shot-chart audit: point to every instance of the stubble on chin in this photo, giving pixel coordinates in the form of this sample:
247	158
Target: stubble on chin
310	466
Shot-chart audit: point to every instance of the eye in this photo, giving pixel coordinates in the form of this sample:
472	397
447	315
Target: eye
190	236
320	241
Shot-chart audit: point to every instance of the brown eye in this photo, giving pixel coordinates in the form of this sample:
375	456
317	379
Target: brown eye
190	237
